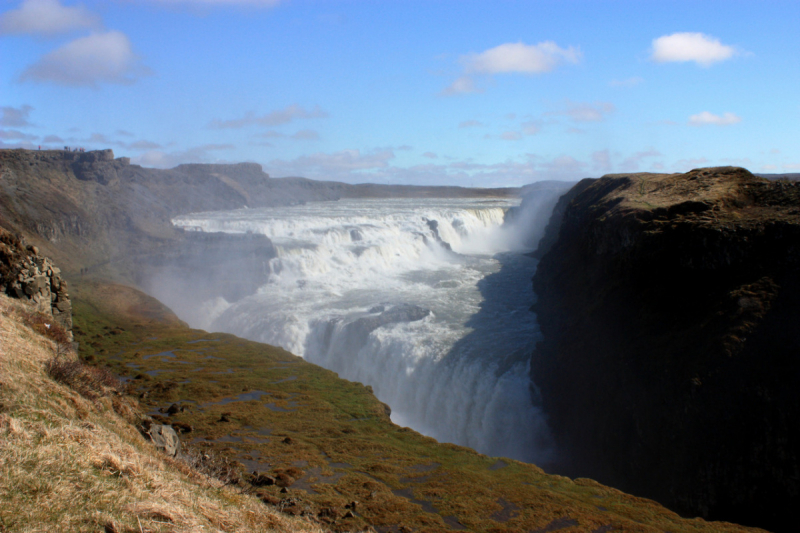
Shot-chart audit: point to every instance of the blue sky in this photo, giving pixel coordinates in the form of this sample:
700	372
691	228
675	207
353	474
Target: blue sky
470	93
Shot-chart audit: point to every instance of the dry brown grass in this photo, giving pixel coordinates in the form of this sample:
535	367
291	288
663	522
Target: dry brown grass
68	462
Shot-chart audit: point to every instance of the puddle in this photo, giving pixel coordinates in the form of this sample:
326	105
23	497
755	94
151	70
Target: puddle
290	378
229	438
199	369
154	373
255	465
292	406
212	357
133	365
162	354
409	495
227	371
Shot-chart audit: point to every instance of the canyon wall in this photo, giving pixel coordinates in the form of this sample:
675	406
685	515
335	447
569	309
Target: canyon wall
670	359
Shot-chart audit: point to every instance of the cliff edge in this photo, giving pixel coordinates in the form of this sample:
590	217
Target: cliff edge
669	365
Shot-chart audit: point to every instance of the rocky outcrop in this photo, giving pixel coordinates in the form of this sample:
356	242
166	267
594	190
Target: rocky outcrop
669	362
28	276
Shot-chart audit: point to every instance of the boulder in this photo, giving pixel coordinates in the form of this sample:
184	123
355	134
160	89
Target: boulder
165	439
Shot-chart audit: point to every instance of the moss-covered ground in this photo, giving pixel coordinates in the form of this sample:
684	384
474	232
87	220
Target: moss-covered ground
329	442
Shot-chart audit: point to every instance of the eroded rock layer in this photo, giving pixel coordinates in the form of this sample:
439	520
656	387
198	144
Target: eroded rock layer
670	365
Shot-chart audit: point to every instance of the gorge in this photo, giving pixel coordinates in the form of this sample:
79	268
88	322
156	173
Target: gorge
665	360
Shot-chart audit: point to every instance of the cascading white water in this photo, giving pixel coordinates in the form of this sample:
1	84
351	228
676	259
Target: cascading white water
424	299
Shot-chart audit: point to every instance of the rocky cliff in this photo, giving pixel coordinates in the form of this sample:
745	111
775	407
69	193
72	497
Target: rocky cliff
34	279
670	359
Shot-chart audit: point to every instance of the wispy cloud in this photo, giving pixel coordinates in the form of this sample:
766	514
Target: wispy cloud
531	127
321	165
46	18
88	61
16	135
520	58
15	117
628	82
511	136
462	85
584	111
690	164
470	124
511	58
273	118
706	118
430	155
684	47
254	3
197	154
632	163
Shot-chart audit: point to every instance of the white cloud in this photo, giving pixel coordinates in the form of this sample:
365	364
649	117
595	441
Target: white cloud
629	82
463	85
706	118
46	17
16	134
511	58
585	112
97	58
520	58
698	47
273	118
15	117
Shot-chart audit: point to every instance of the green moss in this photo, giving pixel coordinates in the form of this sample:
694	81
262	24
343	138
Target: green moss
297	415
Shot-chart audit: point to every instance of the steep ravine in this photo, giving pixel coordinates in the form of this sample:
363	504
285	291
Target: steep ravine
669	365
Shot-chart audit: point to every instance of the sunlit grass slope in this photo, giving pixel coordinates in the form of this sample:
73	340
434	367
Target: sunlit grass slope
70	463
325	447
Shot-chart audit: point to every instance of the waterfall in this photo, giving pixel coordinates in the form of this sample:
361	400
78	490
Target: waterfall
426	300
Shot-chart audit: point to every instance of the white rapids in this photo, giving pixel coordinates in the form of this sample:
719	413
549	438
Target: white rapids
426	300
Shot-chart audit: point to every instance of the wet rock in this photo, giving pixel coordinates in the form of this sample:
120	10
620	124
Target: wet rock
165	439
284	480
261	479
182	427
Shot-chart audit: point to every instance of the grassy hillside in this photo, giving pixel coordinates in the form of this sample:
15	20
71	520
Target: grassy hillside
325	447
75	462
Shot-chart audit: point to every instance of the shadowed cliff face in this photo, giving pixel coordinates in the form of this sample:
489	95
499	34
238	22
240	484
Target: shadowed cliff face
669	307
